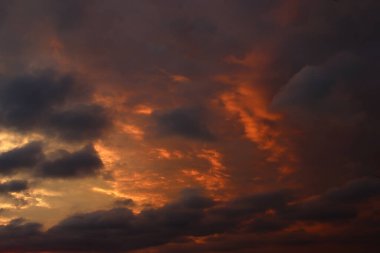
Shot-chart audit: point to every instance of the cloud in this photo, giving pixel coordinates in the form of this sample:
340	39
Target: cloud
124	203
83	122
313	83
25	157
185	122
91	231
26	100
67	15
13	186
81	163
355	191
18	229
53	104
257	203
337	204
318	65
31	158
193	214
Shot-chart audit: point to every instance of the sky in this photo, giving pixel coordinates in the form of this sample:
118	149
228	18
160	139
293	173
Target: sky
166	126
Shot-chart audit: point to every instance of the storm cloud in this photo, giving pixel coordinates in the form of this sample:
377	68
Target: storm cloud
185	122
38	102
81	163
32	159
13	186
263	115
24	157
192	214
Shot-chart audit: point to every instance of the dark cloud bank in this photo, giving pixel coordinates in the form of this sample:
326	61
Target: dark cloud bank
186	122
322	76
56	106
194	214
13	186
31	158
50	103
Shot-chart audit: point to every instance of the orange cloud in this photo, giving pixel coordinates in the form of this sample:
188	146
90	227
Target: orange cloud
251	110
215	178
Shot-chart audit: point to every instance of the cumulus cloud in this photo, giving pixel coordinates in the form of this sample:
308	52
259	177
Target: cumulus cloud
82	122
49	103
185	122
192	214
313	83
81	163
13	186
31	158
26	100
337	204
256	95
24	157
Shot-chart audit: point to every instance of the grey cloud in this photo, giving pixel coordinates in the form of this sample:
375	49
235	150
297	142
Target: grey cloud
355	191
192	214
13	186
52	104
185	122
82	122
81	163
25	157
26	100
337	204
32	159
313	83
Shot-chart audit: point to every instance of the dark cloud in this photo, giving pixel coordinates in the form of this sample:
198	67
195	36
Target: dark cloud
81	163
337	204
13	186
267	224
111	230
83	122
185	122
26	100
3	12
17	230
31	158
128	203
68	14
320	211
313	83
43	102
25	157
355	191
246	206
325	89
318	60
193	214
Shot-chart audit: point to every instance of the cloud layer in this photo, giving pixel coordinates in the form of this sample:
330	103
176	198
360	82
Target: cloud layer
262	116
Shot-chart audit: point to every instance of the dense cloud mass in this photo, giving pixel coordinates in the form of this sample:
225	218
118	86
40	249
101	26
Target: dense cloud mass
31	158
26	100
193	214
262	115
38	102
185	122
13	186
80	163
23	157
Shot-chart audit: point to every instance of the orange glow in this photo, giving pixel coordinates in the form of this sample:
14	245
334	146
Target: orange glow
252	113
143	109
180	78
215	178
163	153
132	130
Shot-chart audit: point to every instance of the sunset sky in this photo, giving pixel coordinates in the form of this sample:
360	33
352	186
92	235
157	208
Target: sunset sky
170	126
